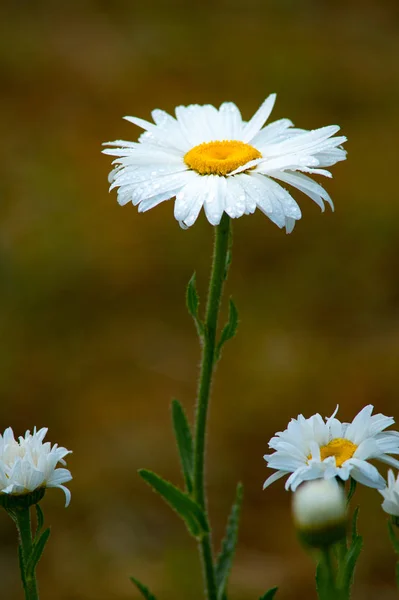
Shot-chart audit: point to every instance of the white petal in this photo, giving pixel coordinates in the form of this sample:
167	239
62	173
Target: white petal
273	478
259	119
230	121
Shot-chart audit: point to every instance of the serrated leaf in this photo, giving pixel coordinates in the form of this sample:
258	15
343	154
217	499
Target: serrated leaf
189	511
225	558
230	329
37	552
270	594
143	589
184	442
192	302
40	521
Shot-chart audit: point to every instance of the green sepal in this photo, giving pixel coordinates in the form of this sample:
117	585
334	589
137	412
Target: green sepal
229	330
192	302
225	558
184	441
186	508
37	552
270	594
145	592
13	502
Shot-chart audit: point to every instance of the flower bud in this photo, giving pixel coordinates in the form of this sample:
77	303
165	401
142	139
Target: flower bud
319	511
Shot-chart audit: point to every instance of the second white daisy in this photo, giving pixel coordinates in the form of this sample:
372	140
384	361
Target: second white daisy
211	158
316	448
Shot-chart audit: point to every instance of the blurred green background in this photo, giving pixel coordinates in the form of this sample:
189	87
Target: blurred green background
95	336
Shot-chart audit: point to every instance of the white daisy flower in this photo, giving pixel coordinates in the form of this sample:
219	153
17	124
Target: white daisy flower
29	464
391	495
211	158
316	448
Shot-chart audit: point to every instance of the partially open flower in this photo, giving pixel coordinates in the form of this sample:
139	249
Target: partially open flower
28	467
319	511
391	495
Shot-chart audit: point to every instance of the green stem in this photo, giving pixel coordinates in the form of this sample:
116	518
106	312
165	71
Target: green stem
329	590
22	520
221	247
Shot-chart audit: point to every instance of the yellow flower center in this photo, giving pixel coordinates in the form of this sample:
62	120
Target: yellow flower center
340	448
220	158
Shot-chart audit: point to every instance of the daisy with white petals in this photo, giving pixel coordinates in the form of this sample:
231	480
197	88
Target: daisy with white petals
316	448
29	464
211	158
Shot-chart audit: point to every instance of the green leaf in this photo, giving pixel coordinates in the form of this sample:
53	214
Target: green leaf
37	552
143	589
354	523
269	595
350	562
225	558
184	442
40	521
393	538
229	330
192	302
352	489
190	511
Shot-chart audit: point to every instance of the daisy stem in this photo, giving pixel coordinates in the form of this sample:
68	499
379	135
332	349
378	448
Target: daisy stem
218	273
22	520
329	590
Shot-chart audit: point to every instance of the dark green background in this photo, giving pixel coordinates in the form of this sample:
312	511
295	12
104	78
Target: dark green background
95	337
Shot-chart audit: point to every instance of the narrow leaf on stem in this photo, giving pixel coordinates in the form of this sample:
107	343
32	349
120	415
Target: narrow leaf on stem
37	552
40	521
225	558
352	489
184	442
186	508
351	561
145	592
192	302
229	330
270	594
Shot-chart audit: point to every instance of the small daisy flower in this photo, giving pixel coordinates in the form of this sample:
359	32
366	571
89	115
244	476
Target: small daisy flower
315	448
391	495
29	464
211	158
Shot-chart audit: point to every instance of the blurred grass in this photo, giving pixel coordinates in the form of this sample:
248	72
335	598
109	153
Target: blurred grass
95	335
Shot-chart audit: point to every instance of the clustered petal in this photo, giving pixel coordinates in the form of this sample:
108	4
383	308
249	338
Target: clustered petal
153	169
316	448
28	464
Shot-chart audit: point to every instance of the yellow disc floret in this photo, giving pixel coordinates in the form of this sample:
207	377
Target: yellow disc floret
220	158
340	448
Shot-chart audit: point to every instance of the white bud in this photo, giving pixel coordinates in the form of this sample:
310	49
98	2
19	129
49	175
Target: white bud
319	511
